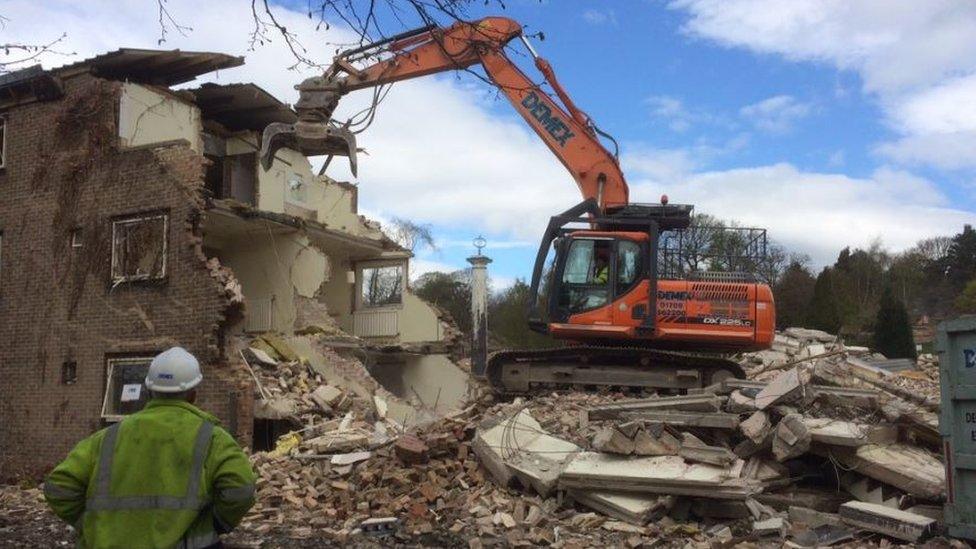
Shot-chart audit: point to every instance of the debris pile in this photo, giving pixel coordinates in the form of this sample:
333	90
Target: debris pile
819	446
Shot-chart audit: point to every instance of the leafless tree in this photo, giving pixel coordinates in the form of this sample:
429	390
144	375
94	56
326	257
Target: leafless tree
935	248
409	234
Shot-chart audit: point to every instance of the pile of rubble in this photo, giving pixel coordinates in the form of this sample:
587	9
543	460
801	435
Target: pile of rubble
820	445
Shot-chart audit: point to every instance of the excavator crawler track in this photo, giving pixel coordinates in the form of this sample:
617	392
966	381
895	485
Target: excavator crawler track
524	371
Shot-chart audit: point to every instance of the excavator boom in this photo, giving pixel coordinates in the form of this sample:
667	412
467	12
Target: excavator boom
562	126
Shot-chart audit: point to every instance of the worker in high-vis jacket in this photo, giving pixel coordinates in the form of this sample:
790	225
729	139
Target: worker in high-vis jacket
167	476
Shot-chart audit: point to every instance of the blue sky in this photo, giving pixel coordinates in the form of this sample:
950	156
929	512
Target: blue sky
829	122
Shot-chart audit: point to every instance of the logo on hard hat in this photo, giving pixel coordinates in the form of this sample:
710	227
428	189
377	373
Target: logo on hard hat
164	376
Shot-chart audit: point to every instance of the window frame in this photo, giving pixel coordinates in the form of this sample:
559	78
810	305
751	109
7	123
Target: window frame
585	287
135	218
360	280
110	364
642	251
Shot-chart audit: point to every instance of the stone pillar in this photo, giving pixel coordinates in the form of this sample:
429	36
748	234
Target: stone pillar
479	313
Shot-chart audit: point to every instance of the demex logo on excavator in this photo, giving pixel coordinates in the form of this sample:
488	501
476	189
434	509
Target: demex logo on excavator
541	112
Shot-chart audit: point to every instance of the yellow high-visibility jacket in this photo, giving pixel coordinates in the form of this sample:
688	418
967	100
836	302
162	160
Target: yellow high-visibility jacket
167	476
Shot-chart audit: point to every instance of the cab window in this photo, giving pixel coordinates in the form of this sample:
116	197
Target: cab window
586	275
628	265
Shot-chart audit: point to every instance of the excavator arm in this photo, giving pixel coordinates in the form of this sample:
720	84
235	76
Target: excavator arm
564	128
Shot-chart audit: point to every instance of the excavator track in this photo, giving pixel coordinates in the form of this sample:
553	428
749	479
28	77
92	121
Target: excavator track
524	371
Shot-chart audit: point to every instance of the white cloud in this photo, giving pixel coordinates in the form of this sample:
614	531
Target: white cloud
919	58
775	114
818	213
600	17
420	266
658	165
672	110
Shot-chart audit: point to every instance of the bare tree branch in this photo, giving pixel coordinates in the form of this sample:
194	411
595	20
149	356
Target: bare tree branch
264	28
164	17
28	52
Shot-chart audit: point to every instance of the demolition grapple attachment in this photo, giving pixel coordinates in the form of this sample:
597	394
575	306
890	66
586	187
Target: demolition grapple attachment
314	134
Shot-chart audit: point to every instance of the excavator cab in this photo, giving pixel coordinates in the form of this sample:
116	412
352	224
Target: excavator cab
609	282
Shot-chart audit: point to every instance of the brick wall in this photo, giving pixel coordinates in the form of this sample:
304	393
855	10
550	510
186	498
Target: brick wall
63	172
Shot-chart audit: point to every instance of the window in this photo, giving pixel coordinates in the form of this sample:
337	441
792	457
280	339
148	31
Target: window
3	141
124	390
382	286
69	372
586	275
139	248
628	265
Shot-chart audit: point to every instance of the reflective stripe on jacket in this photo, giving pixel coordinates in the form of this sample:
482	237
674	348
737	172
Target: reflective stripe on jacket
166	476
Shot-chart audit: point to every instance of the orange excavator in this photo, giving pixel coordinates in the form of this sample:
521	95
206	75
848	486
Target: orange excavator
629	318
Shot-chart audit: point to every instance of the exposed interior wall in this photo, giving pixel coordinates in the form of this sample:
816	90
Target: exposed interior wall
337	292
277	267
327	201
431	381
148	116
418	322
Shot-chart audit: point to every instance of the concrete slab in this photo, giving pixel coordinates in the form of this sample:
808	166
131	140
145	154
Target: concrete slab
656	475
846	433
636	509
885	520
519	448
908	468
782	389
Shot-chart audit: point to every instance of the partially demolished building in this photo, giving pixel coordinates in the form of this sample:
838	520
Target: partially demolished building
134	217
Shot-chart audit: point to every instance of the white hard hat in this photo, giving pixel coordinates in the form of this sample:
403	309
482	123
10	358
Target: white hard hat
173	371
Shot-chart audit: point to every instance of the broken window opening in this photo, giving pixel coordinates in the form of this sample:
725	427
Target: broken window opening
139	248
232	177
124	390
69	372
382	286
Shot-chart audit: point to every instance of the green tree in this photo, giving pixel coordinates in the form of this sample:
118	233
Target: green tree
793	294
824	310
961	258
966	302
449	291
892	329
507	321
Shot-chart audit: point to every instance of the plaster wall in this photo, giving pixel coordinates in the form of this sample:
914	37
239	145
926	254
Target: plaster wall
148	116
